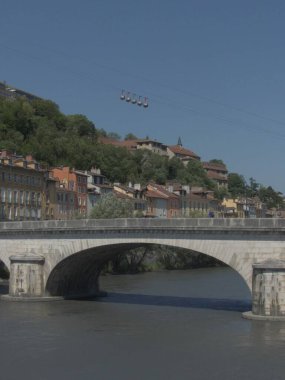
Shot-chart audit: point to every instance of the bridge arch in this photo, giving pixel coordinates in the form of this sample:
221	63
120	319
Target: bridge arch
76	275
4	271
255	248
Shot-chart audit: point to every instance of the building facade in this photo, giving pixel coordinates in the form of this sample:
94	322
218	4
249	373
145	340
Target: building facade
22	183
72	189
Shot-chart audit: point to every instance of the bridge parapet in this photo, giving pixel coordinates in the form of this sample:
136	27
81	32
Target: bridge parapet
144	223
74	247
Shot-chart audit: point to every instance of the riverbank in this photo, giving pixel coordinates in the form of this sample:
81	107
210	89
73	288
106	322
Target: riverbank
159	258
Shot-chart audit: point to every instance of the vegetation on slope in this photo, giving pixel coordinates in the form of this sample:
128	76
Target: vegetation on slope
40	128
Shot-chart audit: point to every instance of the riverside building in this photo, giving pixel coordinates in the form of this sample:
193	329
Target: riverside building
22	184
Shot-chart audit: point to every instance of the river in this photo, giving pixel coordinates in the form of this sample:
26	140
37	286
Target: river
166	325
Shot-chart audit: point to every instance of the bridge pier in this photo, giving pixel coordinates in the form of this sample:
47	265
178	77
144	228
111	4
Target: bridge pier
26	277
268	291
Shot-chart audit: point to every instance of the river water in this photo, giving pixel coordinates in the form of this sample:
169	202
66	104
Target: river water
167	325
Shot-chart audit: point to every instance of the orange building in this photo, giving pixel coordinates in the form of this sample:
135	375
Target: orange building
74	181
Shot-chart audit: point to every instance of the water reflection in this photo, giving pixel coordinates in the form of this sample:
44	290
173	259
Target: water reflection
187	302
155	326
4	286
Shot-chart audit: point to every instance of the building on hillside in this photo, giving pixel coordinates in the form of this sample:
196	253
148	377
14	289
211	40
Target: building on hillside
196	201
202	206
243	207
183	192
75	181
95	177
153	145
185	155
135	194
22	184
162	203
50	197
95	192
65	202
13	93
217	173
130	145
60	201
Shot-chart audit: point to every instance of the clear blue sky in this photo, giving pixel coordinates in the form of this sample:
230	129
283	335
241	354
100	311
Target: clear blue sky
213	71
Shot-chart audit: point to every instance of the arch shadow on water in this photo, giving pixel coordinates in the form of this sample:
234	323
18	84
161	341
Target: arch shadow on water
181	302
4	278
4	287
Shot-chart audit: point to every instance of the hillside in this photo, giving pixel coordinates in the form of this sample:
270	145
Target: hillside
39	128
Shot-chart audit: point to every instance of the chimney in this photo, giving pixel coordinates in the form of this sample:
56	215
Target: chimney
29	157
186	188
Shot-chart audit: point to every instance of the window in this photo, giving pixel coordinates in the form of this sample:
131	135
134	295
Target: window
2	212
9	213
9	195
27	197
15	196
3	195
71	185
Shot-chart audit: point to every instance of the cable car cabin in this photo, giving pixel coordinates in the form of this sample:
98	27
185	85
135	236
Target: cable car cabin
123	97
145	103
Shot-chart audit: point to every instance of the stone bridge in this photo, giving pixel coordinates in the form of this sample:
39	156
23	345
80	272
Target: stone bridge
64	258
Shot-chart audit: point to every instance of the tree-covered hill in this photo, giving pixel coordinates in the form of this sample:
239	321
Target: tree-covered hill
38	127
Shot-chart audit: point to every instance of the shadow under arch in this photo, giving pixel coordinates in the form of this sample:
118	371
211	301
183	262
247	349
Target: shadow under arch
4	277
4	271
77	275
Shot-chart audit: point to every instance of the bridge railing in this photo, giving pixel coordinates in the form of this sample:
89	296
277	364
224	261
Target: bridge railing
143	223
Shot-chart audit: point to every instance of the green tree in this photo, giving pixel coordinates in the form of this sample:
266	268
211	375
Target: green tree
217	161
220	193
175	168
270	197
195	175
252	188
111	207
114	135
236	185
81	126
130	136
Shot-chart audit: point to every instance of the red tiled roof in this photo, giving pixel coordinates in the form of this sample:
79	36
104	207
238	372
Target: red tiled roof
160	189
213	166
178	149
217	176
155	194
129	144
121	195
197	197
